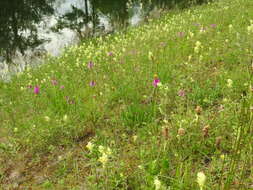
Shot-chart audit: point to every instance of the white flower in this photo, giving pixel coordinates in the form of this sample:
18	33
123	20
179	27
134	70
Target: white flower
65	117
250	29
197	47
108	151
201	179
150	55
135	138
191	34
101	149
157	183
198	44
47	118
160	85
103	159
229	83
90	146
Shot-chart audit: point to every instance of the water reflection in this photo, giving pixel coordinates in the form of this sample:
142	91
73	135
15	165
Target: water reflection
18	25
31	28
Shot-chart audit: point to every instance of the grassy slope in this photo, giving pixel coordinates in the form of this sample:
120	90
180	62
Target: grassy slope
196	120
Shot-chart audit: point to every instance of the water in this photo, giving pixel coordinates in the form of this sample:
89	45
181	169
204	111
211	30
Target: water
31	29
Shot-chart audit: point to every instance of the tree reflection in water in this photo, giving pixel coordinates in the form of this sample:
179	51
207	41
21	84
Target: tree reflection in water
18	25
21	21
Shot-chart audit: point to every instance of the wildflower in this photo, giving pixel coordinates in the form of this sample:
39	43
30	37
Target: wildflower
198	110
108	151
163	44
62	87
54	82
92	83
229	83
225	100
181	131
110	54
47	118
150	56
156	81
180	34
160	85
202	30
205	131
201	179
103	159
65	117
101	149
250	29
90	146
222	157
90	65
197	47
36	90
213	25
157	183
191	34
181	93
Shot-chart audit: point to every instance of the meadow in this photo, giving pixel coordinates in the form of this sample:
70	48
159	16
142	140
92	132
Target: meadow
167	106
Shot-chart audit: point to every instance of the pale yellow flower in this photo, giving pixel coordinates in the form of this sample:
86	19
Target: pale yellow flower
101	149
150	55
229	83
90	146
201	179
47	118
65	118
157	183
250	29
103	159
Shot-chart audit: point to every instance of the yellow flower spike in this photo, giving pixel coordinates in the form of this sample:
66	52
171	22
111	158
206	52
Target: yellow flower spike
157	183
222	157
90	146
201	180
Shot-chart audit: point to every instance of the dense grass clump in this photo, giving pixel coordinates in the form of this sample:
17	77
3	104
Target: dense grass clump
167	105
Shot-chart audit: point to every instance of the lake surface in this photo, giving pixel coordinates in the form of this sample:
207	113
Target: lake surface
30	29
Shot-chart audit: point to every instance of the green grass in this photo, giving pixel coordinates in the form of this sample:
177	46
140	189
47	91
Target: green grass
199	117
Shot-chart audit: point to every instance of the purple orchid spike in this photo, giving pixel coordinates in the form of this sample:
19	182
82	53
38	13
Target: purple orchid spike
54	82
156	81
110	54
92	83
181	93
90	65
36	90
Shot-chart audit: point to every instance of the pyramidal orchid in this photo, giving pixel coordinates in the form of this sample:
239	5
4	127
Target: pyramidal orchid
36	90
